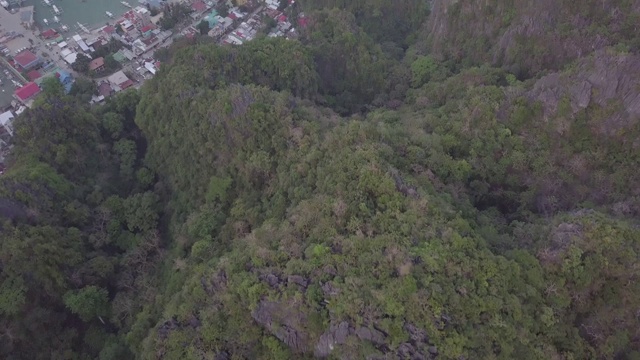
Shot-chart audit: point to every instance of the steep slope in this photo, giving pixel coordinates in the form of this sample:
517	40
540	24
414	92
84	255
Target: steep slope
528	37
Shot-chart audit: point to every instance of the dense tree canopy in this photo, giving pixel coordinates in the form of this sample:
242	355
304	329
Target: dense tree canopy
362	192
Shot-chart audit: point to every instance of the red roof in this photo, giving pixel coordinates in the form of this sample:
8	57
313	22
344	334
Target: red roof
34	74
109	29
147	28
28	91
199	6
126	84
25	58
282	18
49	33
232	16
303	21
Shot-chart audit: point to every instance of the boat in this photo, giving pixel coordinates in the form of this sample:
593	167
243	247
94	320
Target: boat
125	4
65	28
56	19
46	22
56	10
48	2
109	14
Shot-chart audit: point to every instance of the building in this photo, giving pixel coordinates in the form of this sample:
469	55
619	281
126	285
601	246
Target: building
65	79
6	123
104	89
144	15
97	64
34	75
26	60
27	92
199	6
119	81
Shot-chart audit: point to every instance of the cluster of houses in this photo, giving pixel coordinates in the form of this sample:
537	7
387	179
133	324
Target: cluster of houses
239	26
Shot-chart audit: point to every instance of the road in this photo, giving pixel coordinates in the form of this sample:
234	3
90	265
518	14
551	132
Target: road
11	22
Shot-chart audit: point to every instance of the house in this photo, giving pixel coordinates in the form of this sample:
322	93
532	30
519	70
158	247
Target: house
119	81
147	31
27	92
199	6
105	89
6	128
33	75
97	64
143	14
65	79
68	56
26	60
108	30
149	66
49	34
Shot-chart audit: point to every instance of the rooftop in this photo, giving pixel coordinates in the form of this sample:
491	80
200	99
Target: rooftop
118	78
25	58
28	91
199	6
33	75
96	63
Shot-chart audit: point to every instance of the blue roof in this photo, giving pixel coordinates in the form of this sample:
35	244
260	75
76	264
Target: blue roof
64	76
66	79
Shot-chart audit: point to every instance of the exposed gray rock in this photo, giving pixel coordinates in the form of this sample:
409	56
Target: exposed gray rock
222	356
329	290
406	351
330	269
433	350
606	79
272	280
285	321
371	335
298	280
416	334
336	334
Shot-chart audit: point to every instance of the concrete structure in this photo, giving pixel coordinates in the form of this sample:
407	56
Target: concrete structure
26	60
27	92
97	64
6	122
144	15
65	79
119	81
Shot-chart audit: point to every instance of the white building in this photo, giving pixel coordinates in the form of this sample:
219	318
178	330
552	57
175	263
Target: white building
6	122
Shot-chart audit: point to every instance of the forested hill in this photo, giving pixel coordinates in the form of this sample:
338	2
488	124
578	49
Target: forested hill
395	184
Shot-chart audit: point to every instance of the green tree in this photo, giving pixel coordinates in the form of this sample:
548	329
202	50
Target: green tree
81	64
203	27
88	303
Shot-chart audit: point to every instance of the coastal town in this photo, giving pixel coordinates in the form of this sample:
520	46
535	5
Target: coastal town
120	54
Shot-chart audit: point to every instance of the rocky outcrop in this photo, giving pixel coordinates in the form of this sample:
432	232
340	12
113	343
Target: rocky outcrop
285	321
606	79
336	335
526	36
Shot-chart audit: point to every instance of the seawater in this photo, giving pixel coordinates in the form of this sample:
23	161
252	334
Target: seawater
89	13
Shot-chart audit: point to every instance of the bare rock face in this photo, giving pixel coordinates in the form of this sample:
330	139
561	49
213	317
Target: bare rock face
371	335
285	321
528	35
606	79
336	335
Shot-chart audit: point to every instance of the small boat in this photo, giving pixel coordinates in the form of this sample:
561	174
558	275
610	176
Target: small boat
125	4
65	28
56	10
46	22
48	2
109	14
56	19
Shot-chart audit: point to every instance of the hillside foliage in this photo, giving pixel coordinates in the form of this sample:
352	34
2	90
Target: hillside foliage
364	192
